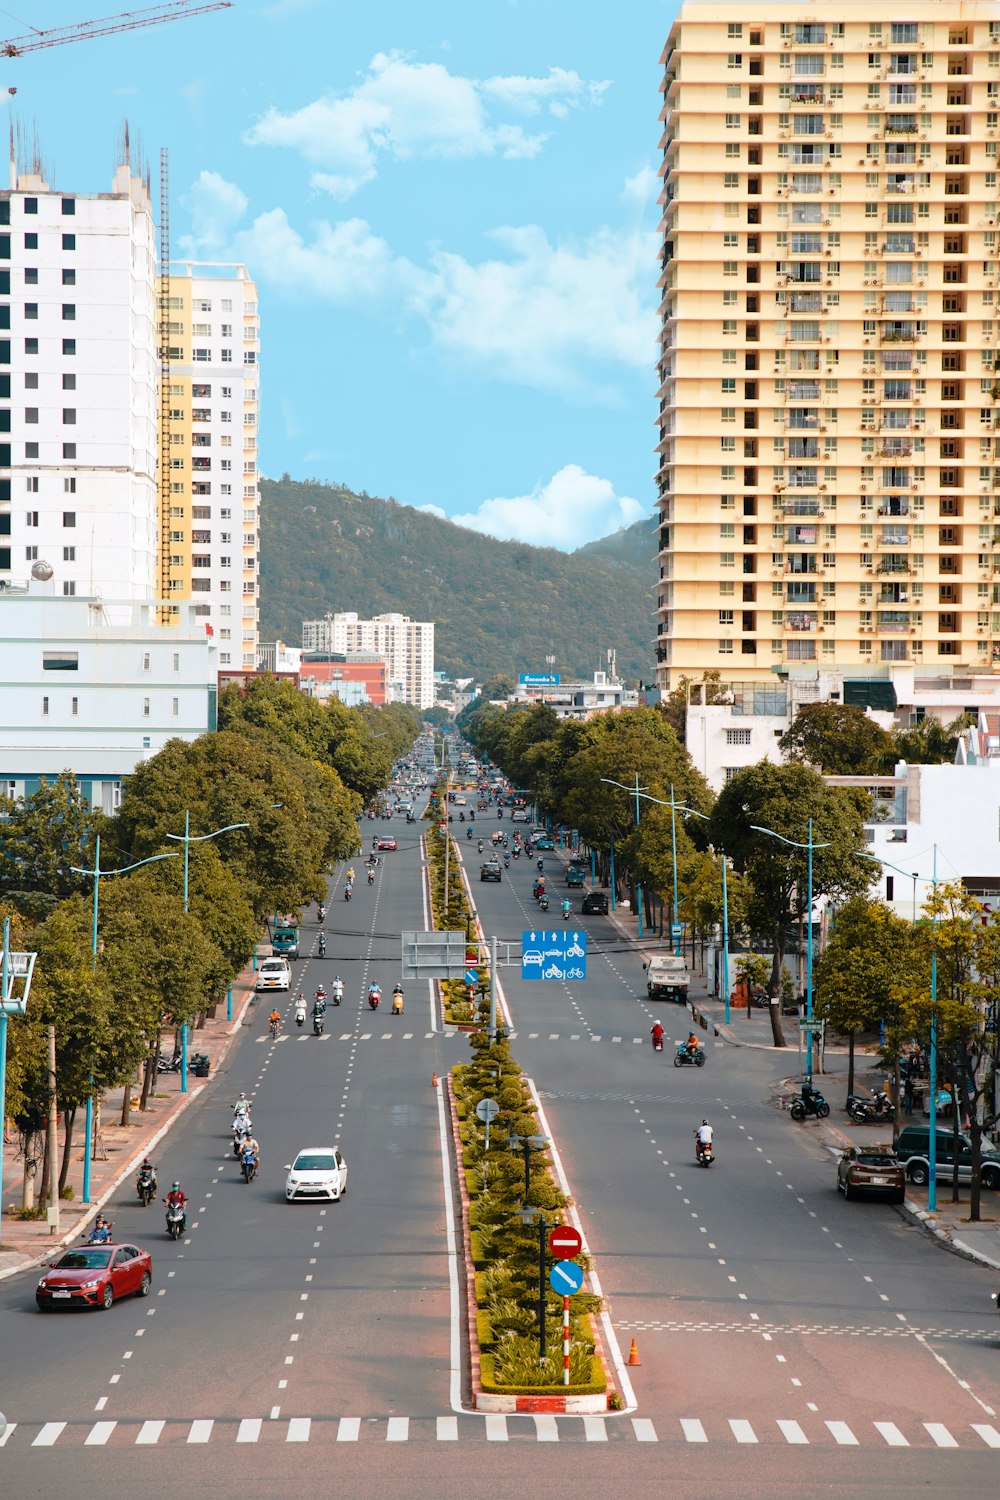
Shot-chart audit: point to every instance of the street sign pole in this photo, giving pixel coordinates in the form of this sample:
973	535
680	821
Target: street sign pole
493	989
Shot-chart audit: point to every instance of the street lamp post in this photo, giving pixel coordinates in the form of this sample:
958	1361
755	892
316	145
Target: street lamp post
96	874
16	970
527	1144
635	792
188	838
810	845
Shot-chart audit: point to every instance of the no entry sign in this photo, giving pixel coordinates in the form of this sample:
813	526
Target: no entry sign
565	1242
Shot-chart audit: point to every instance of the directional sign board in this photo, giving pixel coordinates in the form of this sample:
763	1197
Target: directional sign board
434	955
487	1109
554	955
565	1241
566	1277
472	976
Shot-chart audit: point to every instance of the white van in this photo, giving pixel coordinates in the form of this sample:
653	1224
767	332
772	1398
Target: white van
273	974
667	977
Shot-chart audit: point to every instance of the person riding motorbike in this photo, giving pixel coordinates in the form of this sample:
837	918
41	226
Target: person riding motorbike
656	1032
374	995
506	860
321	912
397	1000
371	875
565	908
350	876
693	1041
540	864
177	1198
461	817
468	831
320	995
100	1234
274	1022
703	1136
321	946
338	990
242	1105
300	1009
347	893
146	1173
479	847
319	1006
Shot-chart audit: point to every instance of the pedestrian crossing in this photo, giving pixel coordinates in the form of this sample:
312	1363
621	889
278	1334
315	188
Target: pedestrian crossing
495	1428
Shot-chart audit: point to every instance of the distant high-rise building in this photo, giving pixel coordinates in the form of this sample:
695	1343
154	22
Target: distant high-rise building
830	403
78	387
406	645
209	540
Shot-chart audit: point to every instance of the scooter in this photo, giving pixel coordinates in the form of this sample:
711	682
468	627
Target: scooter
543	902
321	913
810	1102
374	998
695	1056
657	1042
100	1234
317	1023
371	877
176	1220
166	1064
397	1002
703	1152
300	1014
565	911
479	847
248	1165
337	993
878	1107
347	893
145	1186
540	864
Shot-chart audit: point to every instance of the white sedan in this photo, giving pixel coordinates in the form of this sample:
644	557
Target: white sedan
317	1172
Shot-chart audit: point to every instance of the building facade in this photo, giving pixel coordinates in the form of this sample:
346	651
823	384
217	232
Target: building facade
210	496
829	427
78	388
354	679
96	687
407	646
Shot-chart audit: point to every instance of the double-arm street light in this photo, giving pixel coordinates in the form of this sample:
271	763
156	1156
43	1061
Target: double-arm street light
187	838
810	844
96	873
636	792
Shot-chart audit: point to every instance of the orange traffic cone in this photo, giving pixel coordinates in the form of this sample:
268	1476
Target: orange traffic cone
633	1355
434	1080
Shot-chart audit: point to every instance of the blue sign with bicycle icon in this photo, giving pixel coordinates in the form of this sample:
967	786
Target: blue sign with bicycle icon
554	955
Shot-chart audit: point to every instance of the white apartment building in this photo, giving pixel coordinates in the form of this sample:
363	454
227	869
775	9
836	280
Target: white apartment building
407	646
96	687
78	387
210	496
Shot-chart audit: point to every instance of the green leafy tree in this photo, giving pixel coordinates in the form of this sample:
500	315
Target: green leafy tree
783	798
42	836
929	743
837	739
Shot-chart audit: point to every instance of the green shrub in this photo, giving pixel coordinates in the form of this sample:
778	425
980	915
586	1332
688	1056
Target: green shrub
484	1329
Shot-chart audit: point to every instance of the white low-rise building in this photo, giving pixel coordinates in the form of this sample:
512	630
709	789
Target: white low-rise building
84	693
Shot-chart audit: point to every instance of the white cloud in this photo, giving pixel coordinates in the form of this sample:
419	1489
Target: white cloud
409	110
215	207
433	510
643	188
574	507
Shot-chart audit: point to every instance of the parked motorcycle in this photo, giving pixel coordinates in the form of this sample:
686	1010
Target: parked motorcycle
688	1055
876	1108
166	1064
810	1102
176	1220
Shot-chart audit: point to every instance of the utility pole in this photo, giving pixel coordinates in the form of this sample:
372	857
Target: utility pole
53	1144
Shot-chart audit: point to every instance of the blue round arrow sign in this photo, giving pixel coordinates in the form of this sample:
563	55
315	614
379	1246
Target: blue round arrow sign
566	1277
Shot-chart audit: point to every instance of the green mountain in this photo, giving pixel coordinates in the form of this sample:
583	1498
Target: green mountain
498	606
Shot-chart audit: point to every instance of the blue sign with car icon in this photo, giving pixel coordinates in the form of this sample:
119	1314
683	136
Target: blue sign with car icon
554	955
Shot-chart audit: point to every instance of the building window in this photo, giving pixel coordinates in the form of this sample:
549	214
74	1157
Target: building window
69	207
74	706
69	486
69	312
69	554
31	415
69	590
69	346
69	450
69	382
31	205
69	241
69	517
31	554
31	242
31	518
60	661
145	708
31	346
31	310
31	275
175	706
738	736
45	707
69	416
145	661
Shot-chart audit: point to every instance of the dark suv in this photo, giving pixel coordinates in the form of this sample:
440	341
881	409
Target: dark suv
595	904
913	1150
490	870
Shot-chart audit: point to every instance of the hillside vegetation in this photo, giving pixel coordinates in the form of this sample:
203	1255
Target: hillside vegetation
499	606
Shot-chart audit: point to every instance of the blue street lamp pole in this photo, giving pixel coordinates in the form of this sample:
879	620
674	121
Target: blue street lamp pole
810	845
725	939
187	838
635	792
96	874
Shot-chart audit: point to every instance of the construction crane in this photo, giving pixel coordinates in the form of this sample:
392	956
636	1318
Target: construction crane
129	20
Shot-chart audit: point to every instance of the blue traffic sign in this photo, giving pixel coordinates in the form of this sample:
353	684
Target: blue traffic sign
472	976
566	1277
676	930
561	954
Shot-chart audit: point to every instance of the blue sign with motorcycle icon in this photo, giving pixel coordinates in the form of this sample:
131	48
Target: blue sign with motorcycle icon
554	955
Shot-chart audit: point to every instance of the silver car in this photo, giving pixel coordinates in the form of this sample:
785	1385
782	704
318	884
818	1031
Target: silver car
317	1172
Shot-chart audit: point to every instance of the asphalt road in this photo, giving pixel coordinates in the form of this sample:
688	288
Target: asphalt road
788	1340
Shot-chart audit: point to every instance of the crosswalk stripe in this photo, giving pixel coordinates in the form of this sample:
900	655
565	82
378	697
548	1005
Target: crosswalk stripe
842	1434
644	1430
6	1433
892	1434
298	1430
387	1036
397	1430
447	1429
201	1430
742	1431
792	1432
149	1433
940	1434
989	1435
496	1428
693	1431
48	1435
99	1434
546	1430
345	1036
596	1429
366	1036
348	1429
249	1430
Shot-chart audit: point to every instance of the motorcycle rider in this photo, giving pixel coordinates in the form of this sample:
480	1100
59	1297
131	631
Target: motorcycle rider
656	1032
692	1042
704	1137
322	945
242	1105
565	907
479	847
300	1008
321	912
100	1234
371	874
374	995
250	1145
397	1000
347	893
177	1198
350	876
338	990
274	1021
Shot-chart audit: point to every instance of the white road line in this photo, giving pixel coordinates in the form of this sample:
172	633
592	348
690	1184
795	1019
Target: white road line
940	1434
892	1434
454	1291
99	1434
397	1430
644	1430
149	1433
298	1430
989	1435
348	1429
447	1429
842	1434
249	1430
5	1434
792	1432
693	1431
200	1431
48	1435
546	1430
742	1431
596	1429
496	1428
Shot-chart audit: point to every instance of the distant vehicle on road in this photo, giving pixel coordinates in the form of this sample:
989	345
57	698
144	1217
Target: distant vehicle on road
490	871
95	1276
667	977
595	904
519	815
387	842
286	938
871	1170
544	841
274	974
317	1172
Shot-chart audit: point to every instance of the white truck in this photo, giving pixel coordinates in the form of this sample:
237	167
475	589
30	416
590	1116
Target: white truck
667	977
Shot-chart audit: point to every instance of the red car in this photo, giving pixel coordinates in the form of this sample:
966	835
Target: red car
387	842
95	1276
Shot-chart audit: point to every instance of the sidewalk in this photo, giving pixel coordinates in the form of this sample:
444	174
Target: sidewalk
119	1149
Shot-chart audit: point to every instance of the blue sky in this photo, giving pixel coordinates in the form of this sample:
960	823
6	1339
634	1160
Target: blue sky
450	210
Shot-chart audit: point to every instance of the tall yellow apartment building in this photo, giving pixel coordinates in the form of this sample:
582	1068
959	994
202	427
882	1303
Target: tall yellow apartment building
830	399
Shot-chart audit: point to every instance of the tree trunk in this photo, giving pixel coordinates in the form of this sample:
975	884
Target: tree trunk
850	1063
28	1182
895	1097
954	1139
43	1191
69	1120
774	989
970	1094
127	1101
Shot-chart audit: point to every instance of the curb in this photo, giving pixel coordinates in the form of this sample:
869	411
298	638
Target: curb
920	1216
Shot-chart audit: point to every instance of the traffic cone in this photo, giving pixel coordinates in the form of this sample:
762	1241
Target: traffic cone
633	1355
434	1080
